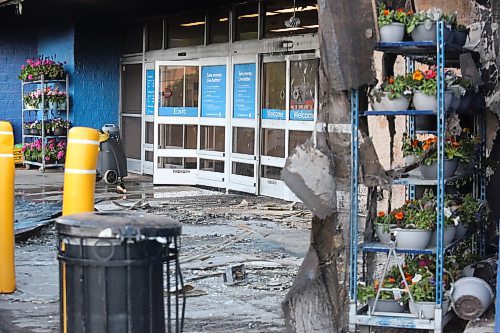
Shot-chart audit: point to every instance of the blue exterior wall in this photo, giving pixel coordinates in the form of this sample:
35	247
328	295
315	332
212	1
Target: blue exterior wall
58	41
15	48
97	76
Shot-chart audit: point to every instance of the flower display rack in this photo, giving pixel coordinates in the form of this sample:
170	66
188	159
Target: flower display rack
360	317
44	114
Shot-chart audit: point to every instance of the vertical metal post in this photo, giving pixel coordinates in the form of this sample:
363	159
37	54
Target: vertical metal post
410	125
354	194
440	160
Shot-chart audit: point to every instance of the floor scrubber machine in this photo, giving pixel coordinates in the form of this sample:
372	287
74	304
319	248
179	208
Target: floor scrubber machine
112	162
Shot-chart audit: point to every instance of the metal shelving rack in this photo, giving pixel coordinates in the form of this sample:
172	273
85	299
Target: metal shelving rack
44	116
359	316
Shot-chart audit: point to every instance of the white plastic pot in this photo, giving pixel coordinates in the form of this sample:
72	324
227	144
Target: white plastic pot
421	33
425	310
392	33
410	159
449	235
422	101
387	104
430	171
386	305
412	238
383	236
471	297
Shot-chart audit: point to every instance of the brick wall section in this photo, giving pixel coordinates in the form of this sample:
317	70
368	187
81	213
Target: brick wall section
97	76
15	48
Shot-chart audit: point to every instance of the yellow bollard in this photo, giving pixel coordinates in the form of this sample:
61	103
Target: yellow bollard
80	171
7	171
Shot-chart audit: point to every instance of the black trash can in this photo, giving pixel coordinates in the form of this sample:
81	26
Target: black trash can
112	267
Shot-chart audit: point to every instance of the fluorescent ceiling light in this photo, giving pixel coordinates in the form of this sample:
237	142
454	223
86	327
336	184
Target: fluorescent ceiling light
192	24
248	16
287	29
224	19
271	13
297	9
311	26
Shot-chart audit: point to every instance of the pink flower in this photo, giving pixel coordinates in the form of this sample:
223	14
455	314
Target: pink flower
30	77
60	155
22	67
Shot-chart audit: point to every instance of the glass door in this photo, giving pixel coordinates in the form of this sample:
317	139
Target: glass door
288	115
176	122
213	160
131	114
244	133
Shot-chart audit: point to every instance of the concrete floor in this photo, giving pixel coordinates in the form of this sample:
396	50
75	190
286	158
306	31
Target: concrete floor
269	236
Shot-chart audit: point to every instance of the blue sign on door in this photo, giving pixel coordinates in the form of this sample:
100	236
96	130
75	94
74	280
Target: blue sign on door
150	92
273	114
213	91
244	83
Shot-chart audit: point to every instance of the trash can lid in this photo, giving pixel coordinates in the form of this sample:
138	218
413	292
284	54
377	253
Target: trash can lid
125	225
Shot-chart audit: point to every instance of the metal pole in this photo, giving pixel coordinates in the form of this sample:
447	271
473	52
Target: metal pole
7	174
80	171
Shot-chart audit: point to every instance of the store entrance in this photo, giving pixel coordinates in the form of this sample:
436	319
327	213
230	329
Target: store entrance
289	87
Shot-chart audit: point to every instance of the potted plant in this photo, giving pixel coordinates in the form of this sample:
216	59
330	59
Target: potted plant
60	152
456	151
461	91
384	223
35	127
51	97
61	100
422	25
411	148
423	291
388	301
34	68
60	126
27	128
391	24
418	218
392	95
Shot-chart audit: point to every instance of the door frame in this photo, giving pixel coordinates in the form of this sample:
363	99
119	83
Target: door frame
177	176
147	166
239	182
133	165
210	178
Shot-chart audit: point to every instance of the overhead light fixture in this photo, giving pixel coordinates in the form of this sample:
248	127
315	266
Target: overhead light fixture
224	19
192	24
287	29
314	26
248	16
295	9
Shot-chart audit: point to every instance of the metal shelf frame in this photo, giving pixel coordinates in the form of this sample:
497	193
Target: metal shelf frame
45	116
360	316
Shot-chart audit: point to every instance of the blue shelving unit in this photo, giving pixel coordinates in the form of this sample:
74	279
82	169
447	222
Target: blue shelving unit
359	316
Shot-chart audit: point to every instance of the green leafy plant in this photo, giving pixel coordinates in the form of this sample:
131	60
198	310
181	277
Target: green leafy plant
388	16
425	81
411	146
428	18
34	68
461	148
393	87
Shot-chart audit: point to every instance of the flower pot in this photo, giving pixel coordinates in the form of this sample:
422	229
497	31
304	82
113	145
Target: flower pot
383	232
449	235
460	37
460	231
52	105
41	106
410	159
392	33
386	305
62	105
27	131
49	161
387	104
421	33
430	171
35	131
471	297
425	310
422	101
29	106
412	238
465	102
59	131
